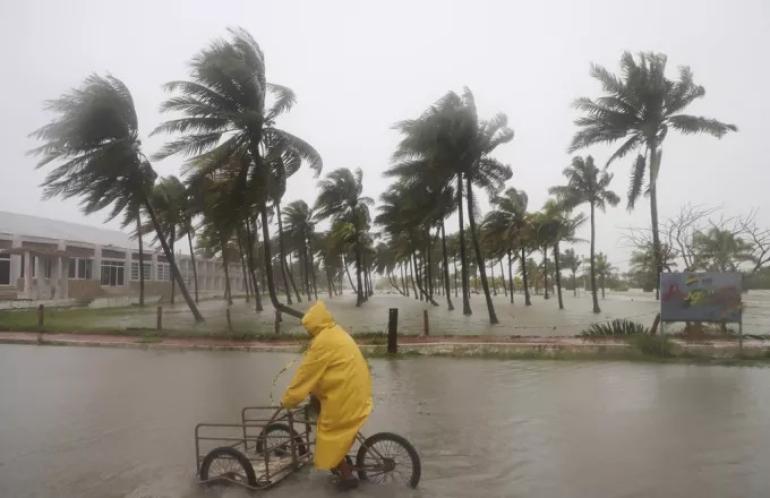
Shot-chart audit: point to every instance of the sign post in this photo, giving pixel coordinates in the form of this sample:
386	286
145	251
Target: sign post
702	297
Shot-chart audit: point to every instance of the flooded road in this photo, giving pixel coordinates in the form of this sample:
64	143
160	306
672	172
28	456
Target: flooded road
100	423
543	318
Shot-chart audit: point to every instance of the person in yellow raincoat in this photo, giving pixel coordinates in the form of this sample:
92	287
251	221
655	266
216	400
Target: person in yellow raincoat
334	370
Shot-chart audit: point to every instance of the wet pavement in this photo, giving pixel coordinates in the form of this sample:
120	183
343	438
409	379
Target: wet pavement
84	422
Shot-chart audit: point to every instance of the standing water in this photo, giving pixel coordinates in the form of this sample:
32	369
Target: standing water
97	423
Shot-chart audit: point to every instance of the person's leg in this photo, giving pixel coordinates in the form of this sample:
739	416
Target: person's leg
345	470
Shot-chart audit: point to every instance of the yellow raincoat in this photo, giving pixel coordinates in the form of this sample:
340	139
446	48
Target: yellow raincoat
335	371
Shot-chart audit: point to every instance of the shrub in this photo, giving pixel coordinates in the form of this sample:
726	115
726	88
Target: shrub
654	345
615	328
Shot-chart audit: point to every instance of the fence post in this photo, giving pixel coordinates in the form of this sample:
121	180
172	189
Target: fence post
229	320
425	323
393	331
40	317
160	318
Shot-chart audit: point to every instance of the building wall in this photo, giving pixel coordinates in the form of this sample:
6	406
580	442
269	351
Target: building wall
210	271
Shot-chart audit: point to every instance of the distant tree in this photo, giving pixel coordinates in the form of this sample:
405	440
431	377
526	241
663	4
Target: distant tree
572	262
586	184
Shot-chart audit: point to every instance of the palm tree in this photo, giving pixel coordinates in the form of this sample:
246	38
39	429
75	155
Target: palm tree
556	226
572	262
300	228
604	269
453	141
341	199
720	250
639	107
95	141
229	112
169	199
586	184
510	221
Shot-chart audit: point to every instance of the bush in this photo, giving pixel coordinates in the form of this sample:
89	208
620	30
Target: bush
654	345
615	328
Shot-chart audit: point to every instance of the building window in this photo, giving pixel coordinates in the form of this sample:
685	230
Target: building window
113	273
47	267
146	269
80	269
163	271
5	270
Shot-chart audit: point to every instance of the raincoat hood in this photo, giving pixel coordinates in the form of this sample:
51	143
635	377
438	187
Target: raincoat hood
317	318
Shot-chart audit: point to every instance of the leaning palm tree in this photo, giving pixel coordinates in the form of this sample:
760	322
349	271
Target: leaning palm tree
453	140
95	141
509	220
640	107
168	197
341	199
586	184
560	227
228	113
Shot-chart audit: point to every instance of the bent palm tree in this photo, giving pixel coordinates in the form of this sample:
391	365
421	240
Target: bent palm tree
640	107
226	115
585	184
95	140
341	199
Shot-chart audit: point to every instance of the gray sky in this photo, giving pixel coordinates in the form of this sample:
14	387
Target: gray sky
358	67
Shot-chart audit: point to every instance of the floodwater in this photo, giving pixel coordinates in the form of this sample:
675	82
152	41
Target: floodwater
543	318
102	423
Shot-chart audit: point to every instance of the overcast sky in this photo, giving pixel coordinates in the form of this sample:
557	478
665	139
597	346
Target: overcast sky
358	67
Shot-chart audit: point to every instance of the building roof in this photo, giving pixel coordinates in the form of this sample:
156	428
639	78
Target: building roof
35	226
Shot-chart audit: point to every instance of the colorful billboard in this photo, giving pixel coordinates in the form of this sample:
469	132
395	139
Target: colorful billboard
700	297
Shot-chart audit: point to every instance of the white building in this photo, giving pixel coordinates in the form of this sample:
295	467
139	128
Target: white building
42	259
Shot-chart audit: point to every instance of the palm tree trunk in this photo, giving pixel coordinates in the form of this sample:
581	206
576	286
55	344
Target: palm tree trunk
171	245
174	270
307	272
510	274
429	268
359	256
502	277
141	257
329	281
242	258
492	274
593	262
417	295
347	272
269	268
527	300
558	274
289	266
463	258
423	292
251	239
545	272
403	279
574	283
192	261
655	156
479	257
282	253
447	290
454	275
226	265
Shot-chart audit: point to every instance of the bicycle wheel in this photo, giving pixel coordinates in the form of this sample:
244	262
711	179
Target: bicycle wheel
386	457
227	463
277	437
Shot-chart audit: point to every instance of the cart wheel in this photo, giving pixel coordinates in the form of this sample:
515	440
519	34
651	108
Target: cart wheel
227	463
278	437
386	457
